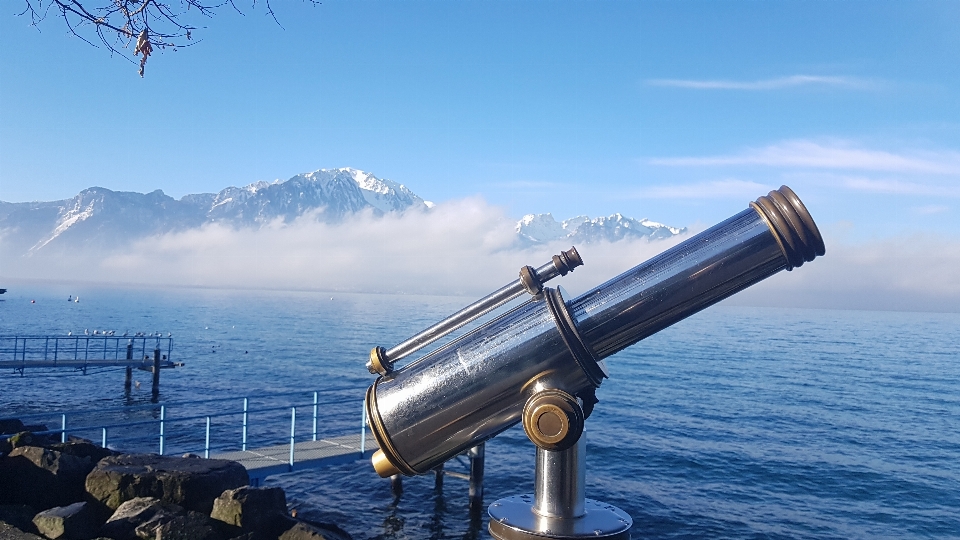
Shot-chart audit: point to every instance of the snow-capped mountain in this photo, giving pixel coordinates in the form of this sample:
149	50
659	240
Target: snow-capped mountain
540	228
102	217
333	193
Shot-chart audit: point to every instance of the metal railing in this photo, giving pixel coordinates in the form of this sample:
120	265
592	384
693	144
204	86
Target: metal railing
81	352
167	428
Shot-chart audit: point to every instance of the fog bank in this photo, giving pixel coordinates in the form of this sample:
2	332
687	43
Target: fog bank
469	247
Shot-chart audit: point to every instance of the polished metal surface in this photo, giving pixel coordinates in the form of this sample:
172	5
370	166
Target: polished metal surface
559	265
474	387
513	518
471	389
559	481
678	283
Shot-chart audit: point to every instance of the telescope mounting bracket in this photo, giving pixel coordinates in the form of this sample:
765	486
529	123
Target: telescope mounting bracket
553	420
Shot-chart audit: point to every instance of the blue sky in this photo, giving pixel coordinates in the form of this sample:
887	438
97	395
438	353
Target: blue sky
676	111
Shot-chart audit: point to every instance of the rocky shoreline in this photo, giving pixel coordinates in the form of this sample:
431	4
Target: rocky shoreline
80	491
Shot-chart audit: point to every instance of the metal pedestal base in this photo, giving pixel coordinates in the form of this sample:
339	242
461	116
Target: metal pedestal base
558	509
513	518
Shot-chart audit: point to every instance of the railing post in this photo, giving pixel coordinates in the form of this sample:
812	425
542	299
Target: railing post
46	347
315	398
103	442
162	414
206	445
63	428
293	432
246	401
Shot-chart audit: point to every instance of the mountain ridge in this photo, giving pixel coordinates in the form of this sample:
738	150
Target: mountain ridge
102	217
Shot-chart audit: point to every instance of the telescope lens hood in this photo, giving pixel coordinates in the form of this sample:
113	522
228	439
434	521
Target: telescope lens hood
792	226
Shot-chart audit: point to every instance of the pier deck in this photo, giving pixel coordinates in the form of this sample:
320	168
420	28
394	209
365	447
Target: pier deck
263	462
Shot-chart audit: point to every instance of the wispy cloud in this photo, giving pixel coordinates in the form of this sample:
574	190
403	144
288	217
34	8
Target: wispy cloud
838	155
930	209
792	81
899	187
526	184
730	188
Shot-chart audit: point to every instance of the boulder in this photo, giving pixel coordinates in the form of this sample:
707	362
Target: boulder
248	536
74	522
10	425
248	509
124	522
22	438
309	530
42	478
191	483
9	532
18	515
82	448
27	437
189	525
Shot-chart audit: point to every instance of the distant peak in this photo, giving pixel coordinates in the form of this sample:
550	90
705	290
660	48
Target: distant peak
540	228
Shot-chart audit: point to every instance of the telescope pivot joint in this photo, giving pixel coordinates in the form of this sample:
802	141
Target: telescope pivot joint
553	419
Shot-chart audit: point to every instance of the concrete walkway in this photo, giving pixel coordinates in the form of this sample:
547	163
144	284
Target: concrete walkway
263	462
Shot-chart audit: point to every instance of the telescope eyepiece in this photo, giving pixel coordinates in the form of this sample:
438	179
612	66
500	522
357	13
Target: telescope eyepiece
566	261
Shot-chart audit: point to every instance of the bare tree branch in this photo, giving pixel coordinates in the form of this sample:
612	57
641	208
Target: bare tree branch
117	23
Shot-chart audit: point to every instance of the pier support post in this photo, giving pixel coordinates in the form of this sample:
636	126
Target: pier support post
128	381
396	485
438	478
156	372
476	455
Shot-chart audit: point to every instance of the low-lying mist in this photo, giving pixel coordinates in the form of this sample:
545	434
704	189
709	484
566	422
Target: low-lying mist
468	247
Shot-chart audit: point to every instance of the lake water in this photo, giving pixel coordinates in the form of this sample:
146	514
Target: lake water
736	423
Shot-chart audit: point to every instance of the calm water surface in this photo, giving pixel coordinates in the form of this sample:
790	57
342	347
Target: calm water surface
736	423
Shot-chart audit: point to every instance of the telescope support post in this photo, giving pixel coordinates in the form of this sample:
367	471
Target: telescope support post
558	509
477	458
559	481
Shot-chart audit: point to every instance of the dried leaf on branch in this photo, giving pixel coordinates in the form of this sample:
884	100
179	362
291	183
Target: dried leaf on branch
157	23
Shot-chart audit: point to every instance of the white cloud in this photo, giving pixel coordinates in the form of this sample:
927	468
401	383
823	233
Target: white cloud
729	188
900	187
906	273
460	247
526	184
792	81
468	247
839	155
930	209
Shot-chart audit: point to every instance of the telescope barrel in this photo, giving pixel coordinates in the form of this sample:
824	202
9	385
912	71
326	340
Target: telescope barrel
565	262
473	388
776	233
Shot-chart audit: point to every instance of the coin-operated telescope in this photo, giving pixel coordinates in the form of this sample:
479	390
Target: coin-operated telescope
541	363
